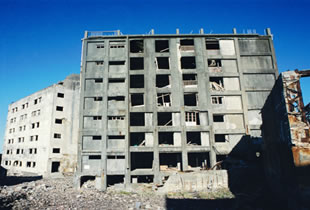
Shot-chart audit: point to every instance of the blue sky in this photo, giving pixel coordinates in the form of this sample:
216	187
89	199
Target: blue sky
40	40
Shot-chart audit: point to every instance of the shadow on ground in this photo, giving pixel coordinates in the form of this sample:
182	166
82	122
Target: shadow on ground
14	180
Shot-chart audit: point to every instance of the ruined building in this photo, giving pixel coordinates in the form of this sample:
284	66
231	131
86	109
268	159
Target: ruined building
42	131
152	105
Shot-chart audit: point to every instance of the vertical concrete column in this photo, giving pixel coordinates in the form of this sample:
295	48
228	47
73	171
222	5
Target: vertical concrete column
151	99
205	94
242	87
127	121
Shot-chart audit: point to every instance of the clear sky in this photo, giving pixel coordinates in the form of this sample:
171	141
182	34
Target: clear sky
40	40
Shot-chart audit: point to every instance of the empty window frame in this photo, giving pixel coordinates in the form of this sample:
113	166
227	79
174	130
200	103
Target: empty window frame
190	99
190	79
137	99
199	159
193	138
218	118
60	95
163	80
58	121
161	46
97	117
163	63
137	139
100	46
212	45
136	81
116	80
59	108
192	118
57	135
188	62
141	160
55	166
116	117
217	99
137	63
170	160
136	46
217	83
164	118
187	42
220	137
137	119
99	63
116	98
116	63
56	150
164	99
165	138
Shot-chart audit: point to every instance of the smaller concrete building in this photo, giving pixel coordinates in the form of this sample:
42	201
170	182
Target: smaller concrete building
42	131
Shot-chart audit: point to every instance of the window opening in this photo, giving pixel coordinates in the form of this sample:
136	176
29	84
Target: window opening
136	46
116	63
55	166
60	95
190	99
163	63
220	138
141	160
137	119
116	98
218	118
192	118
188	62
161	46
217	83
136	81
59	108
170	161
137	139
217	99
164	99
193	138
163	80
165	138
137	99
212	45
136	63
164	118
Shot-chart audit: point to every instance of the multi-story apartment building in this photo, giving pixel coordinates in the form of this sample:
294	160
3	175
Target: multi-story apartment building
42	131
152	104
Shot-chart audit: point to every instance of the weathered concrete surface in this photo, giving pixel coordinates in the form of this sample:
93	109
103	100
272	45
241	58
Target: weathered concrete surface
196	181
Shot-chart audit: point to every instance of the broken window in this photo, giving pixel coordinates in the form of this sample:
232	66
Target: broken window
192	118
136	81
97	98
136	46
215	65
164	99
193	138
141	160
137	139
56	150
60	95
187	45
57	135
199	159
94	157
115	179
218	118
164	118
116	63
58	121
98	80
217	99
96	137
170	161
188	62
137	99
212	45
190	79
97	117
59	108
137	119
163	63
220	137
137	63
55	166
217	83
165	138
163	80
190	99
99	63
116	98
161	46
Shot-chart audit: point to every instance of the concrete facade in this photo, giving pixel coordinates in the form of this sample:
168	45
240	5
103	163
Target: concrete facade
42	131
152	105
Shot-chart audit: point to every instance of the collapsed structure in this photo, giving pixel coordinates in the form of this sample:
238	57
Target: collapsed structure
152	105
286	136
42	131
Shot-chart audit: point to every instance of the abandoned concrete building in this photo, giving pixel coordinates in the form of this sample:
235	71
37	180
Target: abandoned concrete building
152	105
42	131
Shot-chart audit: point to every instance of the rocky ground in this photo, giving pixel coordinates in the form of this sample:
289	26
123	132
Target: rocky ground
60	194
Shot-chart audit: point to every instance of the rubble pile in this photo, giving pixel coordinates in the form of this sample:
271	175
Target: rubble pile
60	194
